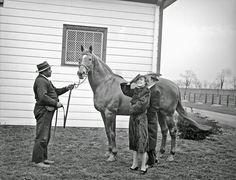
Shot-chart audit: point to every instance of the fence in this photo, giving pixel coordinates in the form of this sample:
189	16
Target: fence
210	96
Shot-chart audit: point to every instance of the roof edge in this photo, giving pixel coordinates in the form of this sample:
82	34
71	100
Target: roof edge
166	3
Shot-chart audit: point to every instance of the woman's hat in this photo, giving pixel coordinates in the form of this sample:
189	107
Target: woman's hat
43	66
137	77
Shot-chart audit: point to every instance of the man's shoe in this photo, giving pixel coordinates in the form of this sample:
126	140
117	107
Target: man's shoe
42	165
48	162
150	165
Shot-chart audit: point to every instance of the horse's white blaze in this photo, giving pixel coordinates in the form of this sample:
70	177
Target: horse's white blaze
84	56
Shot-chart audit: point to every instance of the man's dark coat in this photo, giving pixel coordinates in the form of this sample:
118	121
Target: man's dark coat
46	95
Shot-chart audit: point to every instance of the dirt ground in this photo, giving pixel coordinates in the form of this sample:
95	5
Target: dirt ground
79	154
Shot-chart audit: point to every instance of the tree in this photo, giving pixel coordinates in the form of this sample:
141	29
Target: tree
189	76
197	83
234	82
214	85
205	84
179	83
221	77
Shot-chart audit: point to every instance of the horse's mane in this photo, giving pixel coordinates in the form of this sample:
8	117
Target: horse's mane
104	64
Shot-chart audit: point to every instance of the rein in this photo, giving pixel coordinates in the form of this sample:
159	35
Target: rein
76	85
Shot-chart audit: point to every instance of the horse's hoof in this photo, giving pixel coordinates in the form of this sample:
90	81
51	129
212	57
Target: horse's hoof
170	158
160	155
107	154
111	158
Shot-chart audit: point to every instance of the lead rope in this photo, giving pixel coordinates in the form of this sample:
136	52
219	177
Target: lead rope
76	85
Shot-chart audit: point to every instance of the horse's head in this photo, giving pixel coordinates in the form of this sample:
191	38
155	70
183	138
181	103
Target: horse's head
85	62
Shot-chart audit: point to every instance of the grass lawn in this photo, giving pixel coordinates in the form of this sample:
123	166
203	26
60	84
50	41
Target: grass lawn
79	154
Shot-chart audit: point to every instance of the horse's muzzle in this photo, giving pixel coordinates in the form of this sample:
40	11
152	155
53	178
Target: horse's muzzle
80	75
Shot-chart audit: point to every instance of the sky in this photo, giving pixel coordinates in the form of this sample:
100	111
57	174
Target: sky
199	35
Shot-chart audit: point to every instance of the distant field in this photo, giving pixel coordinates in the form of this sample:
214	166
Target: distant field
215	108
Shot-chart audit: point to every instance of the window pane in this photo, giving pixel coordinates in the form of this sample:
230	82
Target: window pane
80	36
71	35
71	46
88	37
70	56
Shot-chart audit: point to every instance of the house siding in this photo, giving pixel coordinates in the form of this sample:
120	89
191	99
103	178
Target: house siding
31	32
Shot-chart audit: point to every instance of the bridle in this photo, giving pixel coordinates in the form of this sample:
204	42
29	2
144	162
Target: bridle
86	67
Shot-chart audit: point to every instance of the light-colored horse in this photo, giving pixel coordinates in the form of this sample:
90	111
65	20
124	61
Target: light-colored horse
110	101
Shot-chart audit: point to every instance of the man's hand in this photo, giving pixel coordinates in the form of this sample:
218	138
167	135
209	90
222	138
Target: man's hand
70	87
59	104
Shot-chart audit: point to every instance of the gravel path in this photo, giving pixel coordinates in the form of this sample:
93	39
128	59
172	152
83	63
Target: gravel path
219	117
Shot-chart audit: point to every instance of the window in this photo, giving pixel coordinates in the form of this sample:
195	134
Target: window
74	36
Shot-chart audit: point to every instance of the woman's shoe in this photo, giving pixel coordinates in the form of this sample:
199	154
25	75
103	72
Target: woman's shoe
134	169
142	172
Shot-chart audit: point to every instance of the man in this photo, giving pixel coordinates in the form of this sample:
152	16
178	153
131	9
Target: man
152	118
47	102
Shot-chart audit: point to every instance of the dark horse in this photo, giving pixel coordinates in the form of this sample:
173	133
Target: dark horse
110	101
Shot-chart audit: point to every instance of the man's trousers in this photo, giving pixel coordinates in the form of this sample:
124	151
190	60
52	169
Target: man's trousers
152	135
43	133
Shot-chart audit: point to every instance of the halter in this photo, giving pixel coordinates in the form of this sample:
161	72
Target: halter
86	67
86	75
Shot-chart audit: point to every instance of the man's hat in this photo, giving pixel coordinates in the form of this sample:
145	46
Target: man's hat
43	66
154	76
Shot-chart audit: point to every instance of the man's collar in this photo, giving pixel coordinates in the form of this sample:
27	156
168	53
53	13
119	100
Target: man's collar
44	76
152	84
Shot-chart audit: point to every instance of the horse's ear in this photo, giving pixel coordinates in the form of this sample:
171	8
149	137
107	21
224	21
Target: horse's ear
82	48
90	49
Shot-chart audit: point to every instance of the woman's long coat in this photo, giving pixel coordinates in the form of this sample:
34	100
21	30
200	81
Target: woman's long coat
138	123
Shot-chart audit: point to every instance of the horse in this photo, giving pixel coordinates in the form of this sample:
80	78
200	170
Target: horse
110	101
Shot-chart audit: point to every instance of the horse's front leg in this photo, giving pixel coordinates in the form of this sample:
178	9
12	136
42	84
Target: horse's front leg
110	127
107	154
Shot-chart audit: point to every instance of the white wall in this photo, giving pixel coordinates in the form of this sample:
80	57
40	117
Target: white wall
31	32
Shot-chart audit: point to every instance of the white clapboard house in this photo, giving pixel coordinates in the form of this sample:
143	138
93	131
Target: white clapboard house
126	34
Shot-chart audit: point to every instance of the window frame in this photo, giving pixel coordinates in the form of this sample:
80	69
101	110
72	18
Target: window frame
82	28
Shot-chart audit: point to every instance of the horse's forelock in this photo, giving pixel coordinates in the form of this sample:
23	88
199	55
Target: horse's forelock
85	52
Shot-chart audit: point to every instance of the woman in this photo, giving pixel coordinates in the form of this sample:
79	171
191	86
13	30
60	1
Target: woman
138	124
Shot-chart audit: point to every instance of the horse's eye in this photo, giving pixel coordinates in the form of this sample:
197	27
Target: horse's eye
90	59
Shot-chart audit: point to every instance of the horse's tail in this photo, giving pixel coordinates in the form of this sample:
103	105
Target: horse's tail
184	115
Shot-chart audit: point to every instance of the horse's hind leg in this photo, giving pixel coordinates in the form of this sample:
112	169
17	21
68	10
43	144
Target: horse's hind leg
172	130
164	131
